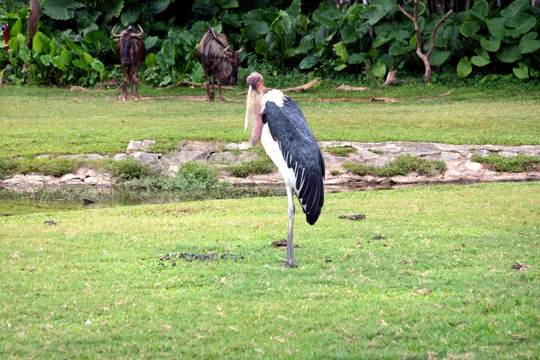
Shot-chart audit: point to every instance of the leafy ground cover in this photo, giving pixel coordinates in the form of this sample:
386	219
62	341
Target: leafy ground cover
87	122
432	272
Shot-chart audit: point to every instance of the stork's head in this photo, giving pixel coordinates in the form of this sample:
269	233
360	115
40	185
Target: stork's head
253	106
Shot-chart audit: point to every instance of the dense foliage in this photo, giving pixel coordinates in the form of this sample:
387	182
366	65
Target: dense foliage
73	43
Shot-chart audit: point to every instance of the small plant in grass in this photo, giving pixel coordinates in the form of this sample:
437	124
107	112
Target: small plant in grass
45	166
401	165
127	169
343	151
517	163
252	167
335	172
376	151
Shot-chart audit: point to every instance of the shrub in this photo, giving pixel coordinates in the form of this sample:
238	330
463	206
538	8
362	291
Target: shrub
127	169
401	165
517	163
343	151
252	167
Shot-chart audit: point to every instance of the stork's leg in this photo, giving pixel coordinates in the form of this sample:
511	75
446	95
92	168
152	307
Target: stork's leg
290	246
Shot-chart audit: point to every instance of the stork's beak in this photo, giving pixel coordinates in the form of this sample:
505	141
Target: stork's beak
250	104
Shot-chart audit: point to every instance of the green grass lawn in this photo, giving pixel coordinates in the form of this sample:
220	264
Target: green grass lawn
439	284
36	121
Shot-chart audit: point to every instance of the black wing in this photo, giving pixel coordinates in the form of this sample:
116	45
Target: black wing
289	128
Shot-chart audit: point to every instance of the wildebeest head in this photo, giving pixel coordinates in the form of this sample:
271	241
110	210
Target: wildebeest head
126	39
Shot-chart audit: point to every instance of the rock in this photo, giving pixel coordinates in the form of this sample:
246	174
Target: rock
91	181
146	158
94	156
238	146
70	178
120	157
445	156
474	166
508	154
183	156
148	143
134	145
482	152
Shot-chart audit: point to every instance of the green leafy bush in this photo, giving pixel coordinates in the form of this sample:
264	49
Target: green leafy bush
401	165
252	167
519	163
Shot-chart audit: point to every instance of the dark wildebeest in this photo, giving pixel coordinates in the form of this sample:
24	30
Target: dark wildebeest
130	50
217	60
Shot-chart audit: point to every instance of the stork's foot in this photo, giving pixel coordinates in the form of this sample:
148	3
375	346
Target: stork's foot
288	264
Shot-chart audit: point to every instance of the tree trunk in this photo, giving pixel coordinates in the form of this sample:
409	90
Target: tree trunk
32	21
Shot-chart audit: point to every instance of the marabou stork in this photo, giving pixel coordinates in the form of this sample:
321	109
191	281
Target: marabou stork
287	139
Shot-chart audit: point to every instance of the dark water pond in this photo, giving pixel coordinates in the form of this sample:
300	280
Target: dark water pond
40	200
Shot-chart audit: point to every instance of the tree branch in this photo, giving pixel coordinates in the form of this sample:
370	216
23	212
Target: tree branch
434	33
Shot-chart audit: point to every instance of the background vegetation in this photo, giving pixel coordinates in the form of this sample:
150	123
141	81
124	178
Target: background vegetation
73	43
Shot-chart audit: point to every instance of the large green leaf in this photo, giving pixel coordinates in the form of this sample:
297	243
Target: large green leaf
72	46
41	44
357	58
150	60
60	9
480	9
520	24
482	57
528	43
150	41
16	28
306	44
509	54
521	72
379	68
282	24
113	8
328	16
464	67
261	47
94	36
130	16
381	40
469	29
350	34
45	59
308	62
158	6
341	50
254	22
515	8
439	57
399	47
373	14
492	44
497	29
80	63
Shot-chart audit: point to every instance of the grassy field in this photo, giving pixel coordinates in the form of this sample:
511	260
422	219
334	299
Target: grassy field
438	283
36	121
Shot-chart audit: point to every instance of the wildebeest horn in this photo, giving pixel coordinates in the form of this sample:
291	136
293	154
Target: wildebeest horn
113	34
226	49
138	34
239	51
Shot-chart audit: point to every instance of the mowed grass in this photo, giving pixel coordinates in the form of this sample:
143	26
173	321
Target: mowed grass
36	121
438	283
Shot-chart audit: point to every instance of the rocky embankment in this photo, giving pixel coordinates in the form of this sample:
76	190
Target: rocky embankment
459	167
